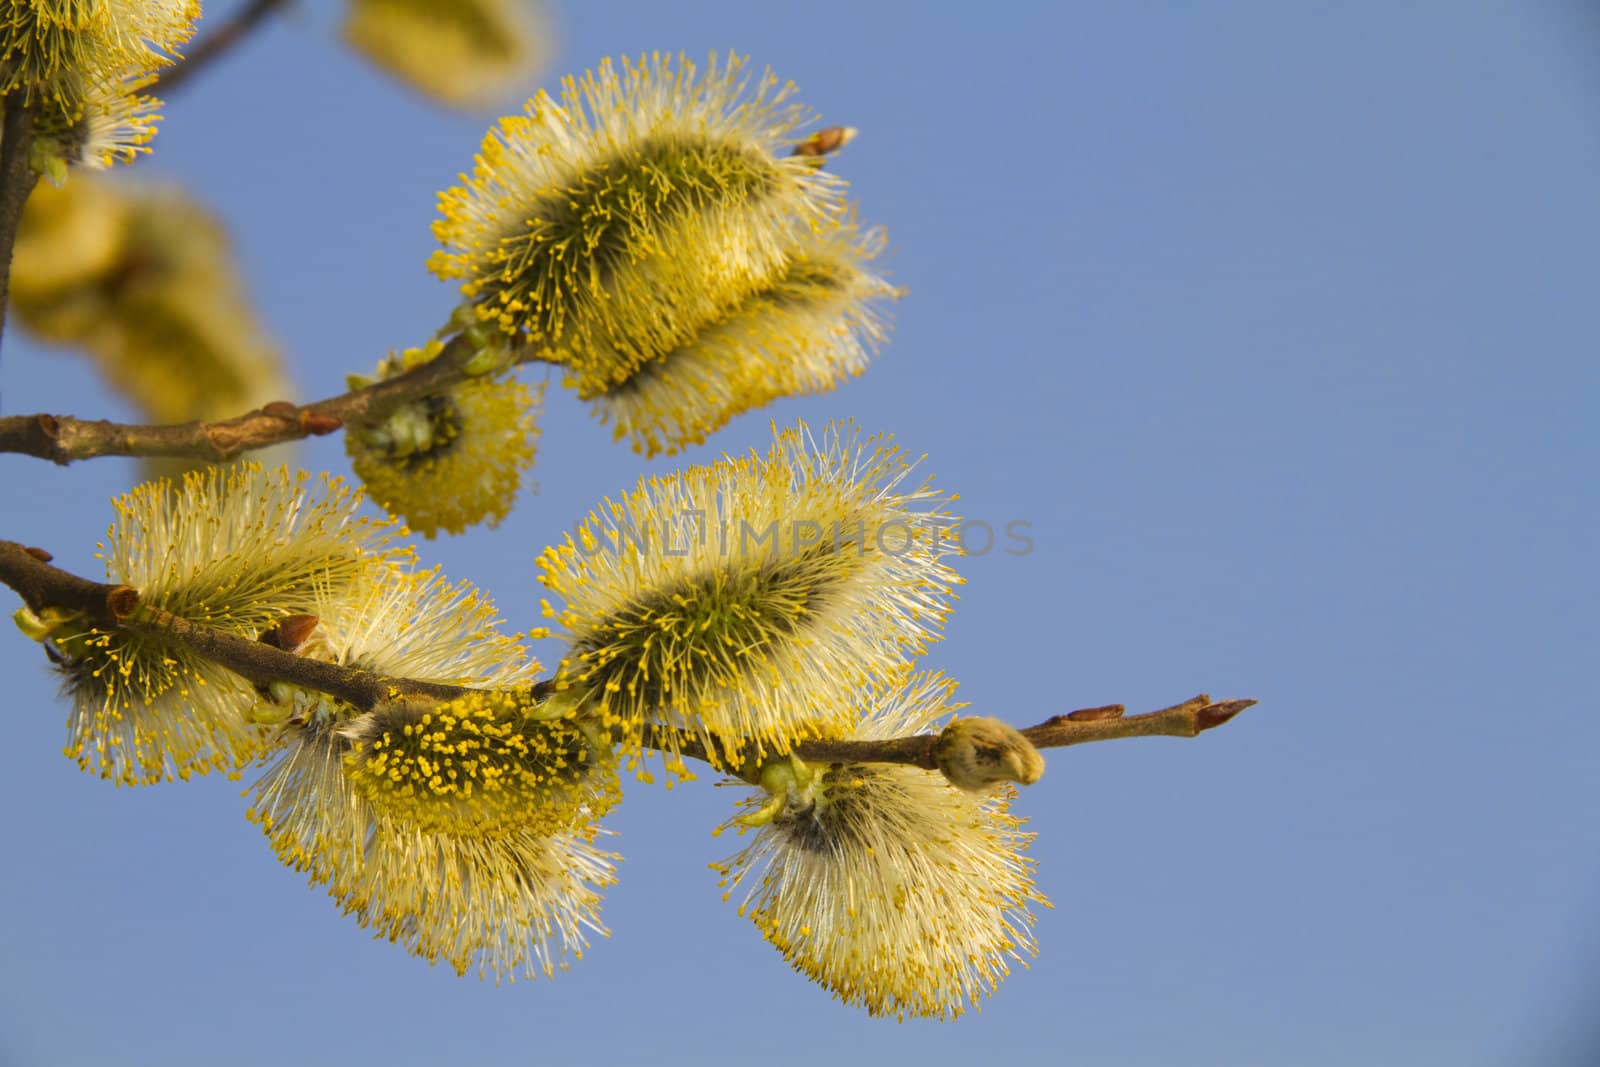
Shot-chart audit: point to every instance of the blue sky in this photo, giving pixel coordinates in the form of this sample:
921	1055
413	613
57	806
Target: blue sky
1277	324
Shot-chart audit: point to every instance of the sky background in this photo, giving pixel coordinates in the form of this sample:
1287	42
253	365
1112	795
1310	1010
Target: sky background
1278	324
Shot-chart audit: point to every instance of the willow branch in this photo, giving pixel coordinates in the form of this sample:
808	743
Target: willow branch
42	585
217	42
1106	723
63	439
17	179
262	664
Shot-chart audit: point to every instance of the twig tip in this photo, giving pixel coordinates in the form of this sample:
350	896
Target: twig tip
1214	715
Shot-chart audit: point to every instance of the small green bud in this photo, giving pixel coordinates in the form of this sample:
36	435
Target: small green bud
463	317
486	360
562	703
30	624
55	169
50	624
274	712
766	813
787	780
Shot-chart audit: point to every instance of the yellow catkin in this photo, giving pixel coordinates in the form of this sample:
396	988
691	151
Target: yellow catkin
482	889
813	324
885	884
236	550
488	895
453	460
465	53
142	279
743	602
513	904
481	764
608	224
82	64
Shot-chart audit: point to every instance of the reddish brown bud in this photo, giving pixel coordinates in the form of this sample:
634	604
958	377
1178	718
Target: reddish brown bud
39	554
291	632
1216	714
317	424
1106	711
279	407
824	141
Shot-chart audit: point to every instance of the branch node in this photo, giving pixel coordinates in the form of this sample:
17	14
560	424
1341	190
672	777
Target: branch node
121	601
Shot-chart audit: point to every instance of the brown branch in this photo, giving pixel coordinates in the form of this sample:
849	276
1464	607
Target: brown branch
17	179
1189	719
29	572
263	664
1107	723
217	43
42	586
64	439
916	751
